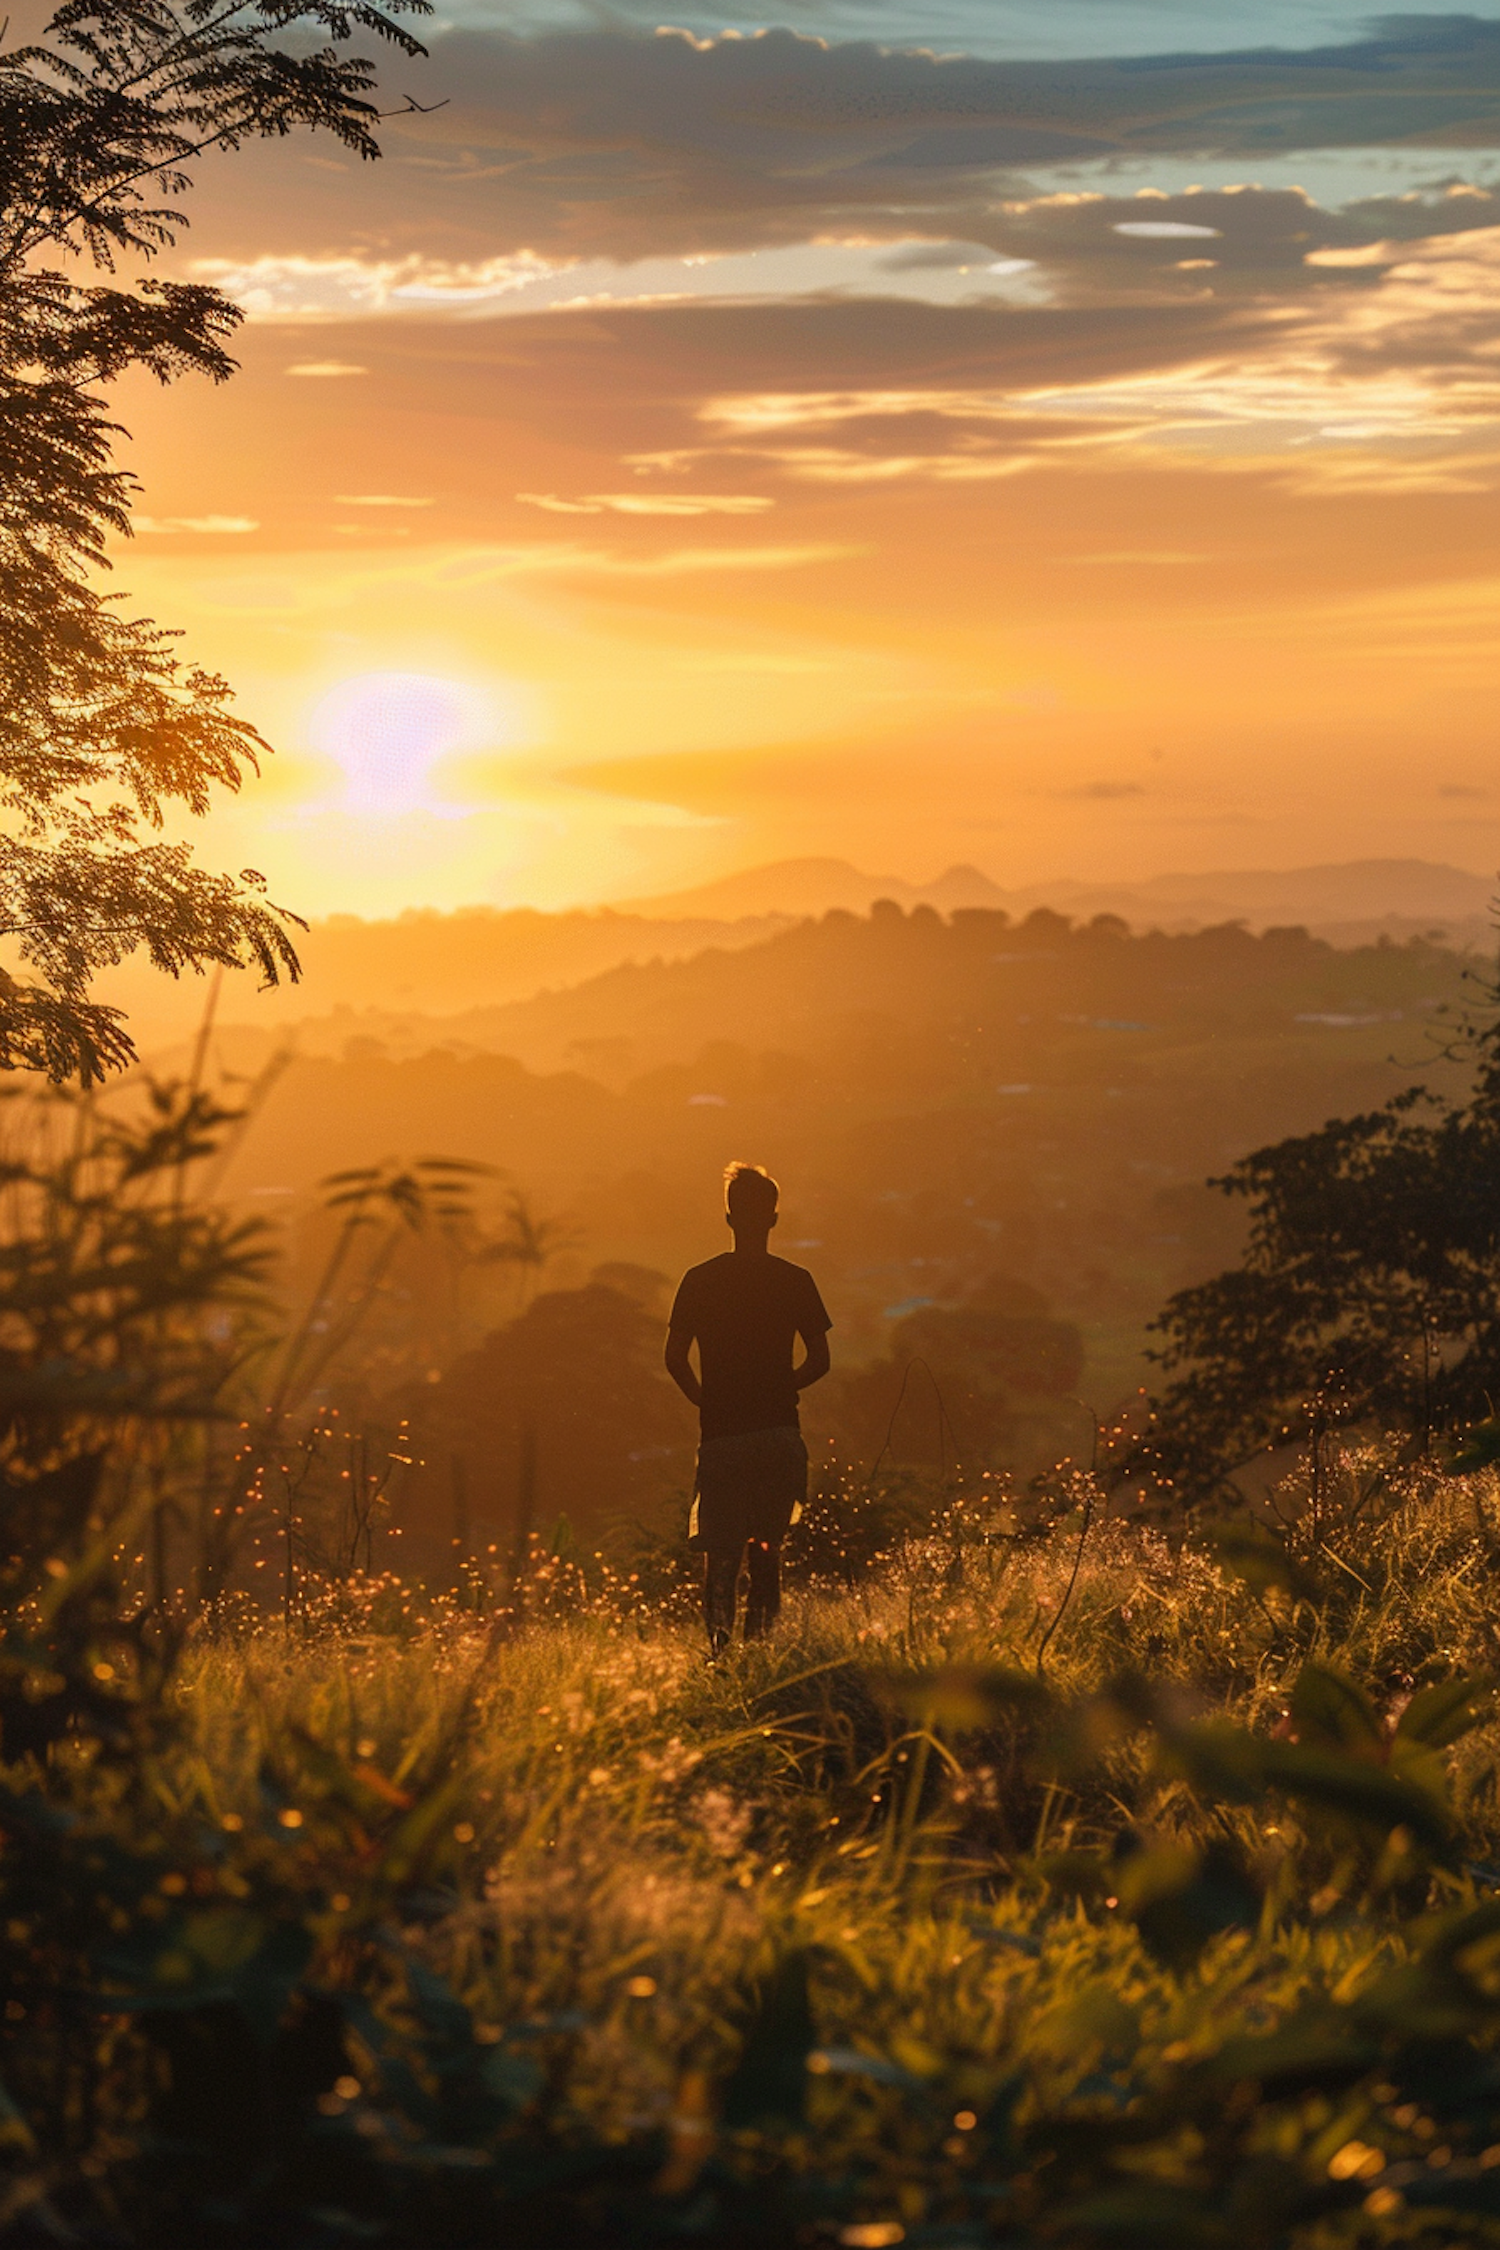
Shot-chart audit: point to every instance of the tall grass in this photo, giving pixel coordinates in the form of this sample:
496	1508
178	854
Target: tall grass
958	1911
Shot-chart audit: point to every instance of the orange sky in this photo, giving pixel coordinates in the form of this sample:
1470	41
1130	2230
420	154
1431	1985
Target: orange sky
683	453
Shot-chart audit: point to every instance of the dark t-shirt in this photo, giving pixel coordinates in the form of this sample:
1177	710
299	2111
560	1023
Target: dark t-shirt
746	1314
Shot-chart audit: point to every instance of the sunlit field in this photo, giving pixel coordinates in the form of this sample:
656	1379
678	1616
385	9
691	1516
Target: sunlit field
866	632
995	1898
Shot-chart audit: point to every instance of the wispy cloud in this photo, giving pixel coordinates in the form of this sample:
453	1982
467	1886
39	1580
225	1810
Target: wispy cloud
1393	387
479	565
651	503
216	526
300	287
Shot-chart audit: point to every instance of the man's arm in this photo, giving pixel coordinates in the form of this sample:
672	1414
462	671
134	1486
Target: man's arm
816	1362
812	1326
680	1366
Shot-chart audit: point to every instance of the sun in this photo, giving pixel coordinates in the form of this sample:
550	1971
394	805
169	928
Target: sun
387	731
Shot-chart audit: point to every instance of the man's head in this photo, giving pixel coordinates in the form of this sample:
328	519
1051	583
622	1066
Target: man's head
750	1199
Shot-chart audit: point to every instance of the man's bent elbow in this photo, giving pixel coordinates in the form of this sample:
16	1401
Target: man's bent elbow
816	1365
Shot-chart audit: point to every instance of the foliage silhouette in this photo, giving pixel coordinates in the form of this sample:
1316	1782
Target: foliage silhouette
128	1313
1369	1293
528	1243
102	725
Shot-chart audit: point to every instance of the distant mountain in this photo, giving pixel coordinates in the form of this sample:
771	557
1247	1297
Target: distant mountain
393	976
813	886
1356	899
1361	890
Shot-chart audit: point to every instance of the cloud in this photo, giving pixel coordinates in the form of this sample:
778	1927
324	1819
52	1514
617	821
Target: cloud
299	286
778	421
613	143
1393	387
479	566
227	526
304	289
1163	229
328	367
666	388
1388	383
652	503
1378	379
687	561
1266	243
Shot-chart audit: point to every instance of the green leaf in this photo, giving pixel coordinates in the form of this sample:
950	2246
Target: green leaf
416	1836
1319	2048
1179	1899
1220	1760
230	1956
224	1939
1440	1714
1330	1712
1094	2026
1353	1789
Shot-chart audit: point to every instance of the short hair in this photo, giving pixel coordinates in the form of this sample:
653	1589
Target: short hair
750	1192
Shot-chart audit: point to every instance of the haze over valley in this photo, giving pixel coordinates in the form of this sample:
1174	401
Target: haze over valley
979	1113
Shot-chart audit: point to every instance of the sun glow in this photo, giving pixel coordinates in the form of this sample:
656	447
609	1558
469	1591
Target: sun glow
389	732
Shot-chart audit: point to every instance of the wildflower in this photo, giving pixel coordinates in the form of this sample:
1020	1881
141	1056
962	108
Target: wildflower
725	1821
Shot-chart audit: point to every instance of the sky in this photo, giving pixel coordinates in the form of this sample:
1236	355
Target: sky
1062	437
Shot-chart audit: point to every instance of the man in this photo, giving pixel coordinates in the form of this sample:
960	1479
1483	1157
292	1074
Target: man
745	1311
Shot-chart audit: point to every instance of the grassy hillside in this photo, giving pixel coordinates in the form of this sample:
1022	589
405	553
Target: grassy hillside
996	1900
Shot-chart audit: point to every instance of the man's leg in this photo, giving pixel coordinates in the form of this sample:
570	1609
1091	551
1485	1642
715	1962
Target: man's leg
721	1578
765	1587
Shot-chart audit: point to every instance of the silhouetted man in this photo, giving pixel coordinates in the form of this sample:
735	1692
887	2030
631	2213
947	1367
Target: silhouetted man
745	1310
